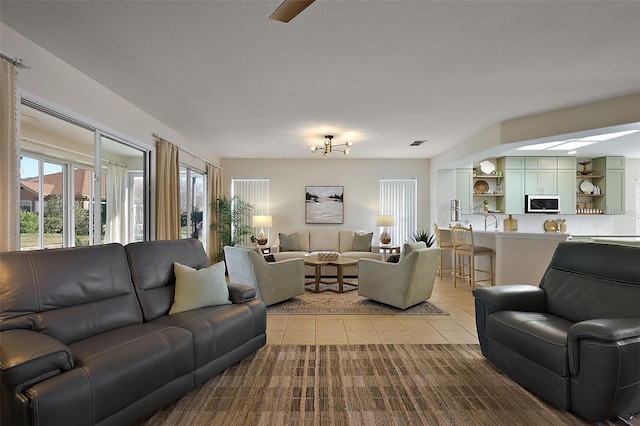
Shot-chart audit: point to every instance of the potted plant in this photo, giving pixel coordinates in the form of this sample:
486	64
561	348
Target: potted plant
424	235
231	220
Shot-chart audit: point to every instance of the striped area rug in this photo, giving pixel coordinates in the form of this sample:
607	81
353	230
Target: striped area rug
362	385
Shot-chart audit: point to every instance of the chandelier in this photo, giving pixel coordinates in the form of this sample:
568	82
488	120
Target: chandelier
329	147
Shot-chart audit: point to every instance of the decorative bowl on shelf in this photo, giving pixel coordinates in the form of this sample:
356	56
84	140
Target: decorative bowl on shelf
480	187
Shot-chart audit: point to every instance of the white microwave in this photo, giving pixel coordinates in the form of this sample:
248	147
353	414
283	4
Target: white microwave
542	204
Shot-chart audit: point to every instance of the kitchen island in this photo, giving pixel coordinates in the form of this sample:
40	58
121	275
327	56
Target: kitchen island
521	257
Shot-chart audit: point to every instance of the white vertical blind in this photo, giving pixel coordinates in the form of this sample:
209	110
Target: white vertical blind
254	191
399	197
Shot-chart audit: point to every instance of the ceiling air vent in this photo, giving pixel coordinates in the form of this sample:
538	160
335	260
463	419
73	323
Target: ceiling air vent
417	143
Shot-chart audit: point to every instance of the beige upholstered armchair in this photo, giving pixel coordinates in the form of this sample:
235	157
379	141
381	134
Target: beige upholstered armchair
401	284
274	281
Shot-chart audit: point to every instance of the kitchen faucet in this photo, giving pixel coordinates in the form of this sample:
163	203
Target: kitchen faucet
487	217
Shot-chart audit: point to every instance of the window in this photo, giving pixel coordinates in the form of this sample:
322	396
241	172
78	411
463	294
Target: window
254	191
399	198
193	203
78	185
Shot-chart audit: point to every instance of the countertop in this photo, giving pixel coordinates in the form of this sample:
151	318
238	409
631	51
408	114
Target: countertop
526	235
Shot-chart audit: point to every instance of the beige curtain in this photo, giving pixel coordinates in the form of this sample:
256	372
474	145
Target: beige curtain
9	160
167	191
214	185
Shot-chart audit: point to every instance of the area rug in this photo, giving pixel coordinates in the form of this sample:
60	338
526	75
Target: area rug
329	302
362	385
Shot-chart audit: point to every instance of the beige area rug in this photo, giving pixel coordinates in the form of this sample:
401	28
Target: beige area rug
362	385
329	302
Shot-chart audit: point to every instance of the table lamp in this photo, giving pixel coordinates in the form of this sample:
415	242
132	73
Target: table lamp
384	221
262	222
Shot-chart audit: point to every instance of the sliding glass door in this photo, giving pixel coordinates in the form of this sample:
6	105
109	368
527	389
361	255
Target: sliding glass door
42	204
122	209
78	184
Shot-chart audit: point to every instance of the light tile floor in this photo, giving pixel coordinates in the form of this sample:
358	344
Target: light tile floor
457	327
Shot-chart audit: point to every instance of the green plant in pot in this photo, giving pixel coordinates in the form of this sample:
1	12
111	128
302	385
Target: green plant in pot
424	235
231	220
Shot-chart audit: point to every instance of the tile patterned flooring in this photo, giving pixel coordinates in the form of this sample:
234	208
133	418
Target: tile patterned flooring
457	327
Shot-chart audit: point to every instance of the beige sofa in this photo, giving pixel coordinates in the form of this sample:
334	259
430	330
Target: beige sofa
312	242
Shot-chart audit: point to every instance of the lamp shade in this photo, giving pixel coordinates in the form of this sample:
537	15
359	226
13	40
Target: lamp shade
261	221
384	220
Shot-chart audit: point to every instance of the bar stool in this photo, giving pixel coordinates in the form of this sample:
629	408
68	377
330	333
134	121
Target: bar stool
463	246
444	244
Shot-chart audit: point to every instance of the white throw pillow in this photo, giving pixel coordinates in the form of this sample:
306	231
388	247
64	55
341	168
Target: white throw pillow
197	288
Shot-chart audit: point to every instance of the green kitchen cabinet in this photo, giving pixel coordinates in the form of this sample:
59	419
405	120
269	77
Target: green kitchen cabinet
464	189
611	184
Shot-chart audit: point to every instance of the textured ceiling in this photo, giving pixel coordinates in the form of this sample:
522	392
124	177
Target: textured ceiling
383	73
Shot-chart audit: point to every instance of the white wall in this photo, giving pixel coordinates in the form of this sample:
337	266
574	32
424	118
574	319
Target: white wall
57	85
360	178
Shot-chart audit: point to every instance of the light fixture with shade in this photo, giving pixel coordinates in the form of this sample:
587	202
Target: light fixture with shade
384	220
329	147
262	222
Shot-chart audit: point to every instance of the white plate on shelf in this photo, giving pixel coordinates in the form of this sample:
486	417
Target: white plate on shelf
586	187
487	167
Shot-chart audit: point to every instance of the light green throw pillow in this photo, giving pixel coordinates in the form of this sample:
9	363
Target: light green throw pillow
362	242
197	288
289	242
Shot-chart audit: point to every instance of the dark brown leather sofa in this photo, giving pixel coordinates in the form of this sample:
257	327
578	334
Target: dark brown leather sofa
85	335
575	339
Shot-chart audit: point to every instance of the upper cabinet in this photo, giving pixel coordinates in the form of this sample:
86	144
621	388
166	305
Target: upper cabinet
541	163
599	190
513	172
567	184
611	184
464	191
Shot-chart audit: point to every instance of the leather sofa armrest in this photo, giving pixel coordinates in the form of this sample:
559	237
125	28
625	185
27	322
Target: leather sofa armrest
523	297
608	330
27	357
240	293
488	300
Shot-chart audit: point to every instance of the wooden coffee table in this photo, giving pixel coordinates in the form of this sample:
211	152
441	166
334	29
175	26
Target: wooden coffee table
340	263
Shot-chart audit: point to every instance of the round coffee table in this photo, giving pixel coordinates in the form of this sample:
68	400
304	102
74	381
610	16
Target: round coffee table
339	263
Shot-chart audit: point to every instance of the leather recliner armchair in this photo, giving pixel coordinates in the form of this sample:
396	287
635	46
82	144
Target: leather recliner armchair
574	340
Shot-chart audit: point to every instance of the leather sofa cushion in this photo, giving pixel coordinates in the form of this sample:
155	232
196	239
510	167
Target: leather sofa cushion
218	330
151	266
113	369
592	281
539	337
68	294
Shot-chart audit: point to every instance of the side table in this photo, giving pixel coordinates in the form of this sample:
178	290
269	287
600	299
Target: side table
387	250
265	249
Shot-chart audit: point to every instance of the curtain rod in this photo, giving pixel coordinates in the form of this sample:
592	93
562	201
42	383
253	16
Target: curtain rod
15	61
155	135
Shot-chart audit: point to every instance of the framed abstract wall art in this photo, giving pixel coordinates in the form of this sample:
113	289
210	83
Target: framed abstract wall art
324	204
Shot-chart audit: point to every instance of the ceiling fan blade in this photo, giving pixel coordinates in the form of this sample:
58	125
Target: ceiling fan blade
289	9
